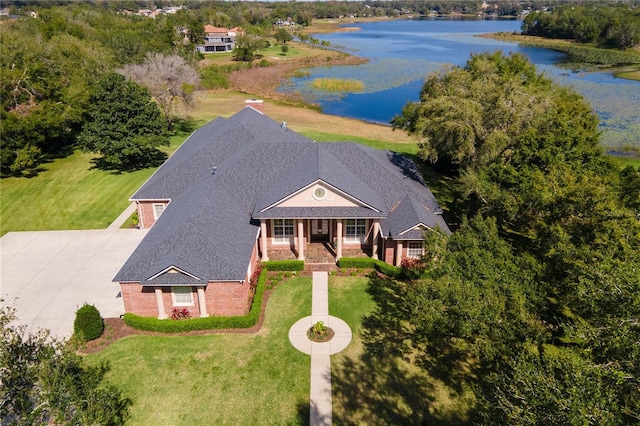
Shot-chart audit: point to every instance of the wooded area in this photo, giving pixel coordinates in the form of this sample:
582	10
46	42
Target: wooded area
52	54
532	305
615	27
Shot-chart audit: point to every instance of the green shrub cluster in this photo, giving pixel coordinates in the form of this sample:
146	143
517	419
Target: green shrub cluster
209	323
388	270
370	263
88	324
357	262
284	265
214	77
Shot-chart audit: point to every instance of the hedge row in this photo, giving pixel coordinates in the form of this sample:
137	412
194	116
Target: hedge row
209	323
357	262
370	263
284	265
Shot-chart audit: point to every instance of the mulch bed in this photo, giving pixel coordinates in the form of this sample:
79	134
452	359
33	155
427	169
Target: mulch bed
115	329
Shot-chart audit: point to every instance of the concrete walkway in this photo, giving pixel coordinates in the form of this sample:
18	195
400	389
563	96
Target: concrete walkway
120	220
320	395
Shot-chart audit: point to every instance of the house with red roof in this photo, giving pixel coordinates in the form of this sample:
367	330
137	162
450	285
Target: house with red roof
219	39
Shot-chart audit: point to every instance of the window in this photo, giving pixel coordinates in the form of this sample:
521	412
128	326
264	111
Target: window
157	210
414	249
319	193
282	230
182	296
355	231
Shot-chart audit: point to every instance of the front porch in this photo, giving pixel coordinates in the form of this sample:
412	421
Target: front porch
319	256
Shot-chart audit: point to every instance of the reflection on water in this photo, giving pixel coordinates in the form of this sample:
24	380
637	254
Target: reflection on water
402	52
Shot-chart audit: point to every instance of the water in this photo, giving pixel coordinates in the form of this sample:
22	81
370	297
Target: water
402	52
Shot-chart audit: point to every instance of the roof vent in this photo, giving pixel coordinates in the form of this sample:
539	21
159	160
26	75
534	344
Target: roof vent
257	104
214	169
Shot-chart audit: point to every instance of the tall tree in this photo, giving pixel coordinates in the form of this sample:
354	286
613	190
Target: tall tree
169	79
124	126
538	296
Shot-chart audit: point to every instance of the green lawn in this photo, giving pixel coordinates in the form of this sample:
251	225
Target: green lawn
69	194
403	148
233	378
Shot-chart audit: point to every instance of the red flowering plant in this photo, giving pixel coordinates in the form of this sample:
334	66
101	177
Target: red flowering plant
412	267
180	314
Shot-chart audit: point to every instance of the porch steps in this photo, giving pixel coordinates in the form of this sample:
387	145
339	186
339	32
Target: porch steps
315	267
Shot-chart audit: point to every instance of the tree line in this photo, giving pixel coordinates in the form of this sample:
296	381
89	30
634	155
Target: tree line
527	313
613	27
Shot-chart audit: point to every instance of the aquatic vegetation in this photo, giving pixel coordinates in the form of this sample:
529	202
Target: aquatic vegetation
337	85
301	73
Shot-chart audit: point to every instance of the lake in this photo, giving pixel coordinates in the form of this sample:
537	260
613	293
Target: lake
402	52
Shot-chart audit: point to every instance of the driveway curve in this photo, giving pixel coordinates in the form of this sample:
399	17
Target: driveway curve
48	275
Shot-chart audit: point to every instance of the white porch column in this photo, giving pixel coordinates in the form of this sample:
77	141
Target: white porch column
202	303
300	239
160	302
339	238
263	240
374	237
398	253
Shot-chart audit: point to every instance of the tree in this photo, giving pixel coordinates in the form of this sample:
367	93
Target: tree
45	382
125	126
246	47
283	36
169	78
471	116
533	303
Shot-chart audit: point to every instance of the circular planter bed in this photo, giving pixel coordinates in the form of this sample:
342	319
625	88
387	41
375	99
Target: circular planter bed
325	336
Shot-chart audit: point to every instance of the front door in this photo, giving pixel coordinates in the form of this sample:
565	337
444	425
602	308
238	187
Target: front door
319	230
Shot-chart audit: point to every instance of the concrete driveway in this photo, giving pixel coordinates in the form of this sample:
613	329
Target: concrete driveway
48	275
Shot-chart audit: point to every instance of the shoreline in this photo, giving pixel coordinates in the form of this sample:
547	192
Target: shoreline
623	64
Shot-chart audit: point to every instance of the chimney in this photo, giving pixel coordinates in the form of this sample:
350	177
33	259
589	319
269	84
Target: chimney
256	104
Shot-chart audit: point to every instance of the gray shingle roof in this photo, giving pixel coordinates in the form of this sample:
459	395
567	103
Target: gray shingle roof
210	227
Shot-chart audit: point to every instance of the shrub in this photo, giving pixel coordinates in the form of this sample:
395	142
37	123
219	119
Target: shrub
214	77
319	327
388	270
412	268
88	324
284	265
264	63
209	323
357	262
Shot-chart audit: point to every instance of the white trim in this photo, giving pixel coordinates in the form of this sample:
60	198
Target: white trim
287	239
174	268
409	243
419	225
361	239
333	188
319	197
175	292
156	215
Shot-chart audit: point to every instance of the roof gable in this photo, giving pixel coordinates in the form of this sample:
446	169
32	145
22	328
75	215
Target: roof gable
319	194
319	165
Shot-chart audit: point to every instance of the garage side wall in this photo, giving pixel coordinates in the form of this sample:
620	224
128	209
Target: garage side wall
139	300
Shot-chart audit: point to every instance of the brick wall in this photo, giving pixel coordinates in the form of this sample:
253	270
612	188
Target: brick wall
227	298
388	254
139	300
145	212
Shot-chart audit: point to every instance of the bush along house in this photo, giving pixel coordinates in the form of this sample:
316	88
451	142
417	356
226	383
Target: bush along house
247	188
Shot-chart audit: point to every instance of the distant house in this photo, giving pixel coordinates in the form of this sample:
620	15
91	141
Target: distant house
247	188
219	39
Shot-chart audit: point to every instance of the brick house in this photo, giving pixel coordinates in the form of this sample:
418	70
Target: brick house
246	188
